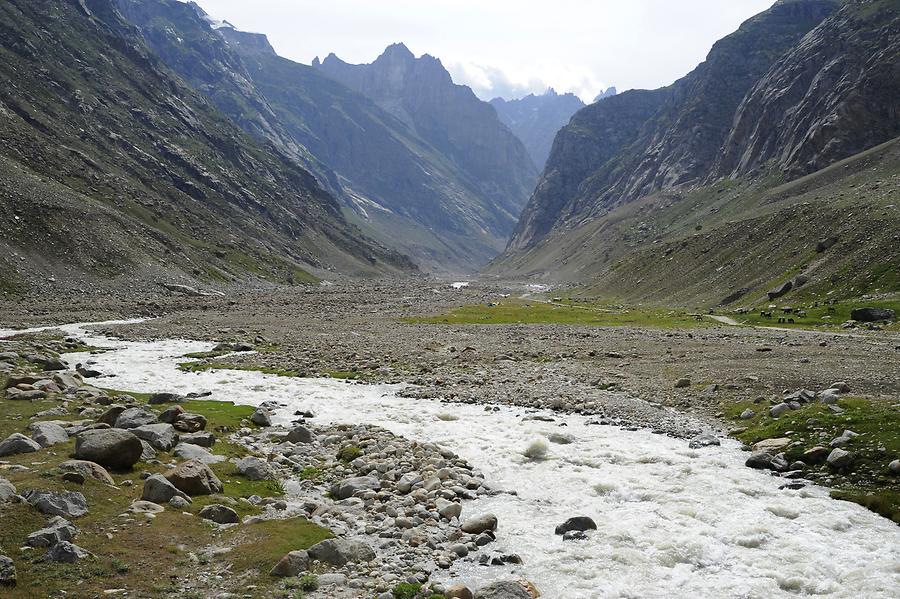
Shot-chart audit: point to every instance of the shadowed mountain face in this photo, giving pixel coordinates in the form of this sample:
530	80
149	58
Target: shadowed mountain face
420	93
797	88
536	119
393	182
113	168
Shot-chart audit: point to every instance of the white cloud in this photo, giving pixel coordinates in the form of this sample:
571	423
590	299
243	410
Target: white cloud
490	81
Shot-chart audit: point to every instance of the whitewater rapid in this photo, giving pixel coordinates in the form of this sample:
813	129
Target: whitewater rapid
673	521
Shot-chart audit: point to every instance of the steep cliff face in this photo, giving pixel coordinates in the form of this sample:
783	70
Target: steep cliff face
420	92
148	179
536	119
834	94
679	141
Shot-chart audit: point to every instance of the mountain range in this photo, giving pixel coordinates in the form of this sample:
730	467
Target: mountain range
722	184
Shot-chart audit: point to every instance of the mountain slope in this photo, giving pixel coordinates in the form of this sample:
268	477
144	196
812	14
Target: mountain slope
711	164
536	119
112	169
420	92
393	184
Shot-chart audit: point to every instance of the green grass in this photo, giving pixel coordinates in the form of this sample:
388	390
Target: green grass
408	590
869	483
515	311
817	317
202	366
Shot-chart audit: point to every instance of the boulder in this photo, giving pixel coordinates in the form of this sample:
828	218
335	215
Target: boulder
770	445
704	440
299	434
763	460
840	459
7	572
682	383
254	468
147	452
134	417
778	409
170	415
161	398
111	414
816	455
17	443
458	591
58	529
350	486
261	417
824	244
68	504
7	490
48	433
67	380
187	451
504	589
408	481
113	447
293	564
67	552
88	470
480	524
579	523
190	423
872	314
448	509
220	514
200	439
338	552
893	468
158	489
160	435
781	290
194	478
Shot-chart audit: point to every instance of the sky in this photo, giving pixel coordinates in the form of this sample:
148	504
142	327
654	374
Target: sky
506	48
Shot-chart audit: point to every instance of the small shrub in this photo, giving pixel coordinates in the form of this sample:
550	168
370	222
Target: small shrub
348	453
406	590
308	582
537	450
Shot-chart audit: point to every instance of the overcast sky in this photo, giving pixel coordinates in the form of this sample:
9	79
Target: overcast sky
505	48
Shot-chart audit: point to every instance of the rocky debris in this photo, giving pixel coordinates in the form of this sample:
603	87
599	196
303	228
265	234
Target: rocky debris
294	563
113	448
67	552
88	470
7	490
480	524
872	314
134	417
576	523
158	489
18	443
261	417
160	436
351	486
48	433
840	459
187	451
7	572
68	504
254	468
704	440
504	589
299	434
194	478
58	529
338	552
220	514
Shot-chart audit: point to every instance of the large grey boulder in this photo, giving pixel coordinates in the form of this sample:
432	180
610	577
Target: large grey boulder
160	435
187	422
88	470
254	468
134	417
48	433
840	459
194	478
111	414
58	529
158	489
338	552
480	524
872	314
7	490
112	447
503	589
782	289
68	504
17	443
299	434
187	451
7	572
67	552
704	440
220	514
293	564
579	523
261	417
202	439
350	486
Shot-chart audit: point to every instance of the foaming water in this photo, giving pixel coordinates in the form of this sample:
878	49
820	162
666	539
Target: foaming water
673	522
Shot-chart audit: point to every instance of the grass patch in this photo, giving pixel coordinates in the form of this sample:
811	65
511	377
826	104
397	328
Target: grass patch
203	366
516	311
816	316
869	483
